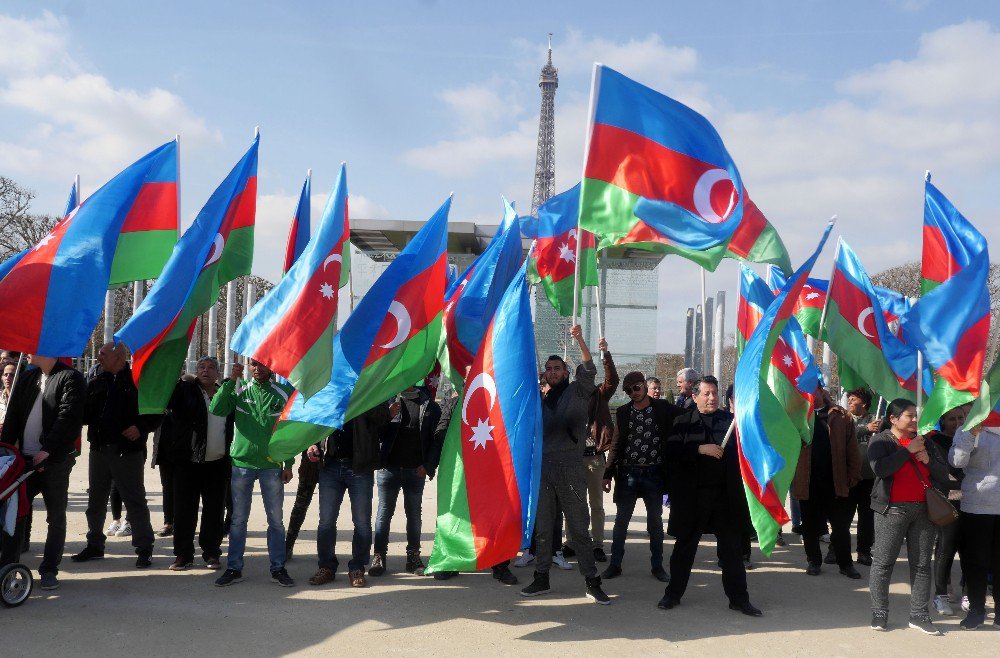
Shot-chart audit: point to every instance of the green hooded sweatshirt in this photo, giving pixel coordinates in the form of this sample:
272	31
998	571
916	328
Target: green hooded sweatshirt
257	407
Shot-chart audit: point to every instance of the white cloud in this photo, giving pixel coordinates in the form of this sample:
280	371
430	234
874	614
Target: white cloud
480	107
84	122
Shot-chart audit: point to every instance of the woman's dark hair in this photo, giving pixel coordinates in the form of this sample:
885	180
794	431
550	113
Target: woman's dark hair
862	394
896	408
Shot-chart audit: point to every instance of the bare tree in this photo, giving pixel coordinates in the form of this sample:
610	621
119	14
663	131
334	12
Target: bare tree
19	228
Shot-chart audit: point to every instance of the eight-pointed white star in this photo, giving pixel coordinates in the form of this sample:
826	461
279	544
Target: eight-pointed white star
45	241
567	254
326	290
812	295
788	360
481	433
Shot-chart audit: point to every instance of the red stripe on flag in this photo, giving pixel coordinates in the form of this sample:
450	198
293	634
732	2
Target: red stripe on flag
555	257
810	297
141	355
748	231
490	479
964	370
854	304
768	498
242	209
290	247
154	209
787	361
748	317
937	263
651	170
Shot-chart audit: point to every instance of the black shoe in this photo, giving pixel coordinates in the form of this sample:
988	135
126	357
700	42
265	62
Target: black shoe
797	529
865	559
660	575
442	575
595	593
540	585
780	541
747	609
567	551
144	560
830	558
229	577
973	621
611	572
89	553
504	575
851	573
880	621
378	565
924	625
747	564
813	569
282	578
600	555
414	564
668	602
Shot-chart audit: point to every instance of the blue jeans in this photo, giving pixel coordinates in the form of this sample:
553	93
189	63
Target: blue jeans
631	485
796	511
336	478
272	490
390	481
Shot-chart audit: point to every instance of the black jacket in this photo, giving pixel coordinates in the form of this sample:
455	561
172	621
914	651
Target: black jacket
664	413
366	430
112	407
887	456
430	449
186	425
62	410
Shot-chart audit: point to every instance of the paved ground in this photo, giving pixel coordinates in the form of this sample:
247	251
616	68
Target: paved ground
109	608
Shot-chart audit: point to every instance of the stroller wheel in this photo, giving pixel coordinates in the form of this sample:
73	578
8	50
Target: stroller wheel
15	584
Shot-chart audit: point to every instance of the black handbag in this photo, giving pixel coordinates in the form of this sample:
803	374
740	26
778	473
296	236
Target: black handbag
939	510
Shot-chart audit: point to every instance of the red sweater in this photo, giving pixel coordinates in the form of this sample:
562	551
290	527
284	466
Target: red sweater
906	486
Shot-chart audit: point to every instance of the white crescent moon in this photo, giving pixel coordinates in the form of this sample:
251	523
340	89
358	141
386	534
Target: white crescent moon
862	316
330	259
402	316
703	195
482	380
217	246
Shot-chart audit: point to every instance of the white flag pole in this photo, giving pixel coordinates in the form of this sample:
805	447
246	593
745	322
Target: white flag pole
595	82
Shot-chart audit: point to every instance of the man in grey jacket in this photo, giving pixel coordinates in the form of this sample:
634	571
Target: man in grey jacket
565	431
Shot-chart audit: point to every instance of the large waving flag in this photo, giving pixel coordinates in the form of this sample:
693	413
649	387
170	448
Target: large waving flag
553	260
769	440
472	301
389	343
950	324
857	331
291	329
659	177
298	233
491	460
53	294
809	307
215	250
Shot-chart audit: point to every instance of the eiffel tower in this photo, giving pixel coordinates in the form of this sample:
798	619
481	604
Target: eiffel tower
545	158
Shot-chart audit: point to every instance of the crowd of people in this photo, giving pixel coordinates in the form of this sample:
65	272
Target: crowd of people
211	447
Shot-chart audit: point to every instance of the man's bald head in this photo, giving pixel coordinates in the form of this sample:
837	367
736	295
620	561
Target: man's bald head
112	357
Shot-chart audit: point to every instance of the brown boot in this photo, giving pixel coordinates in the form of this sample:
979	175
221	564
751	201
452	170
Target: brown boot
322	577
358	578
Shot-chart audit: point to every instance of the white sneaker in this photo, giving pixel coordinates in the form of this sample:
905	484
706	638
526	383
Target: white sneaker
560	561
524	559
965	603
113	528
943	606
125	530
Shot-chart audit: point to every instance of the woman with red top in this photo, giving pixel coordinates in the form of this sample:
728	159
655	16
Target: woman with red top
903	468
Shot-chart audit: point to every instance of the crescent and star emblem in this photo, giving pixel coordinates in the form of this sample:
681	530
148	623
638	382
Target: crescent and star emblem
703	195
862	316
482	431
217	246
403	323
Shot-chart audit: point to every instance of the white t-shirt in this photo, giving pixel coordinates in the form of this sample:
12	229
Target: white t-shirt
32	444
215	440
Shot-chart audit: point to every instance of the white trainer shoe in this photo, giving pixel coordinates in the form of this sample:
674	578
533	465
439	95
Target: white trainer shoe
113	527
125	530
560	561
524	559
943	606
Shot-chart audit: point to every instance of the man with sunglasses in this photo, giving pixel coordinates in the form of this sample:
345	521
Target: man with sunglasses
635	462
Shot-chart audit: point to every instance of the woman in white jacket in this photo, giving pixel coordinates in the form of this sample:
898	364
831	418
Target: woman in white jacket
978	454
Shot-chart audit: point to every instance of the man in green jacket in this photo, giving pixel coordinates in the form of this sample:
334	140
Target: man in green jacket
256	405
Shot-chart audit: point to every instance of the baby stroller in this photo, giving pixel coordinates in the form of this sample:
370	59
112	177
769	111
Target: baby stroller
15	578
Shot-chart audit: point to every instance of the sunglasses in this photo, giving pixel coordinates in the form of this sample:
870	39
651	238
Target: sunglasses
636	388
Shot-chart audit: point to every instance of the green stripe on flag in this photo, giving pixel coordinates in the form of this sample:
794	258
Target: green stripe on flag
809	319
768	249
606	210
291	437
305	376
942	399
454	547
141	255
989	396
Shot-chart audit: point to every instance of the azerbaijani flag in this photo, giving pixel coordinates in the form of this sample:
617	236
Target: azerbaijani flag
857	331
150	230
53	293
659	177
809	308
769	440
491	460
291	329
298	233
950	323
553	260
986	409
389	343
215	250
471	302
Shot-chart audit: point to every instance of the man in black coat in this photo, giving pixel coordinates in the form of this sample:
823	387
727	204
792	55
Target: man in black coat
636	462
117	435
44	420
706	491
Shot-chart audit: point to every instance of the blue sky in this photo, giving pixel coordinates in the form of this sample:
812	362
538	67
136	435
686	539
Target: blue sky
827	107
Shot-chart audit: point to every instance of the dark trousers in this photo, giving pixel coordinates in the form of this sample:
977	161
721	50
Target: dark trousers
564	486
167	481
10	546
815	513
390	481
632	484
196	483
947	545
707	511
116	503
303	498
980	555
107	464
861	496
53	484
557	534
